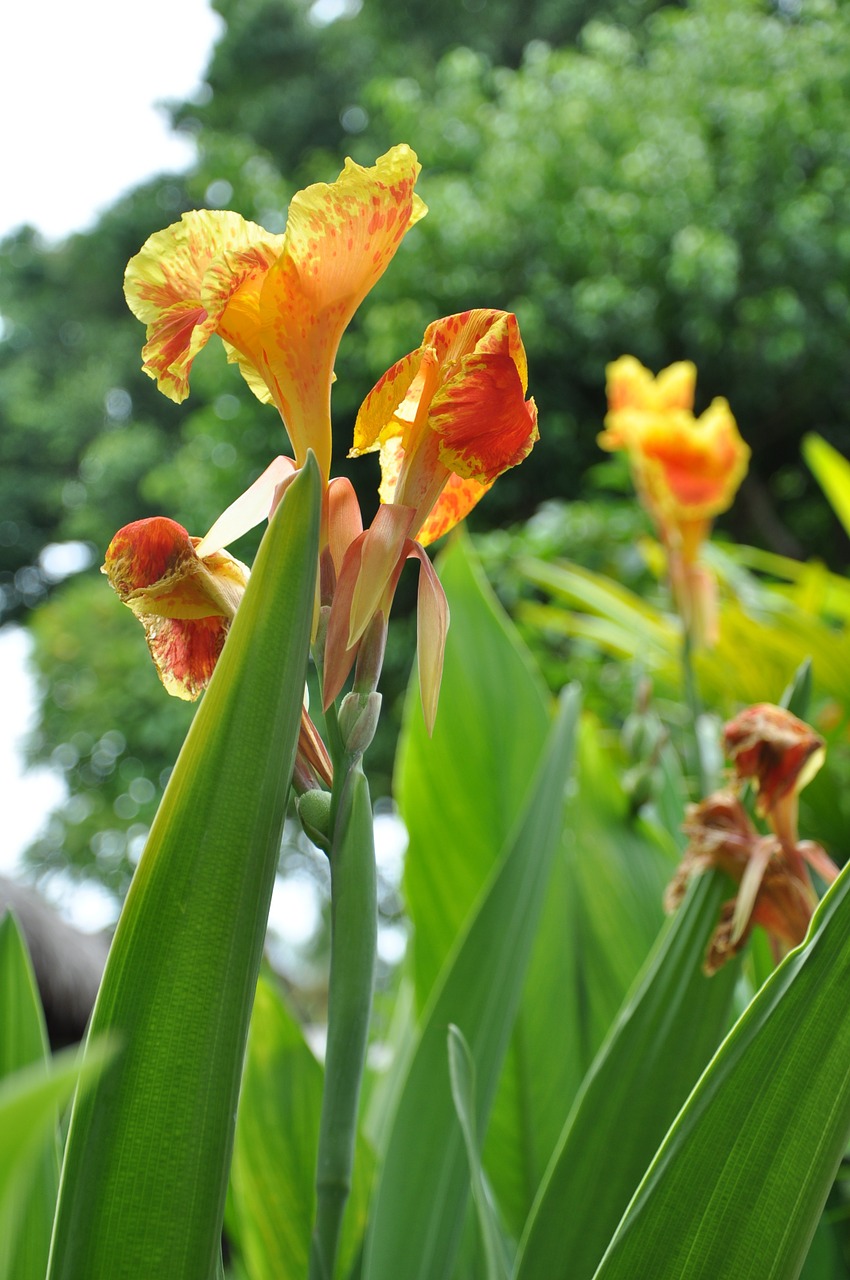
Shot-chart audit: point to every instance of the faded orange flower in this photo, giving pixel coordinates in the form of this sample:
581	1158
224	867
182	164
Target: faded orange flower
186	603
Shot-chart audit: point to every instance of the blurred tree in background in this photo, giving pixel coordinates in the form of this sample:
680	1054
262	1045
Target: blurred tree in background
667	181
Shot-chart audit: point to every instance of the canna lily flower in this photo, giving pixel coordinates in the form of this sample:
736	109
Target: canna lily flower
686	469
185	602
280	303
780	755
448	419
185	592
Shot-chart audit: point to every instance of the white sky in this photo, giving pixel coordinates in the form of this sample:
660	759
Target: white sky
78	127
78	84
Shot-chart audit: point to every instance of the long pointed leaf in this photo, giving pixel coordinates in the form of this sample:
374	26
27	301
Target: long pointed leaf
29	1102
25	1243
832	472
497	1260
422	1192
145	1173
664	1036
736	1190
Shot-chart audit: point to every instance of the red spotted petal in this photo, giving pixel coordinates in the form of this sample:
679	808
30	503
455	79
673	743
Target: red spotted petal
484	423
181	281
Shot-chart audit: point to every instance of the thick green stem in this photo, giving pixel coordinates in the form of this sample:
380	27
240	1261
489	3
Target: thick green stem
353	943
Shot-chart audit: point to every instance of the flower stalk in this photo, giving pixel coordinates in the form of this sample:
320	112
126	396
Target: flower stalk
354	915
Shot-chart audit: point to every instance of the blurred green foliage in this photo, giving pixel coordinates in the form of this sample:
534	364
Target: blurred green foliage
667	181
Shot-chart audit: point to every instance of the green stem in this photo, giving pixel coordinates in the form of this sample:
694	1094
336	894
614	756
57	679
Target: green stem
695	708
353	946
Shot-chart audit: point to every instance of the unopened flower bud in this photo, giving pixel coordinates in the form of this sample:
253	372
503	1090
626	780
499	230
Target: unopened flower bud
358	720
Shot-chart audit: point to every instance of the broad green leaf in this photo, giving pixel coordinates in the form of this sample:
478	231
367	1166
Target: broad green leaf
832	472
736	1189
29	1103
273	1175
603	906
24	1245
600	919
422	1192
497	1259
145	1173
663	1037
461	791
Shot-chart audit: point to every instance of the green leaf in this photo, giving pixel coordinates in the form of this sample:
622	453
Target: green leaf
29	1103
460	794
145	1172
497	1259
832	472
25	1243
600	919
461	791
662	1039
421	1196
273	1175
736	1189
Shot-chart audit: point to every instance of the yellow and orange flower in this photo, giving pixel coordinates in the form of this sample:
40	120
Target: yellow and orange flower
448	419
280	303
687	470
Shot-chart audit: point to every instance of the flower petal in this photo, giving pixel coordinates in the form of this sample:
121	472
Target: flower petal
185	651
484	423
345	523
248	510
432	624
375	421
181	281
381	551
453	505
340	238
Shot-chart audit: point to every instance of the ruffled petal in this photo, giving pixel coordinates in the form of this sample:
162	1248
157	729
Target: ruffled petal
453	505
378	418
340	237
181	281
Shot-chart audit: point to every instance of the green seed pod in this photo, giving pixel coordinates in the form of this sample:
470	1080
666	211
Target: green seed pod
314	812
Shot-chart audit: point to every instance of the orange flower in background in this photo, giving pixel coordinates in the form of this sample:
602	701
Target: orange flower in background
686	471
280	303
780	754
448	419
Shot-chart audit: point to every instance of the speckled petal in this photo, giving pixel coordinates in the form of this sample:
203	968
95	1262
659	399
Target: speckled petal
340	237
484	423
180	282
